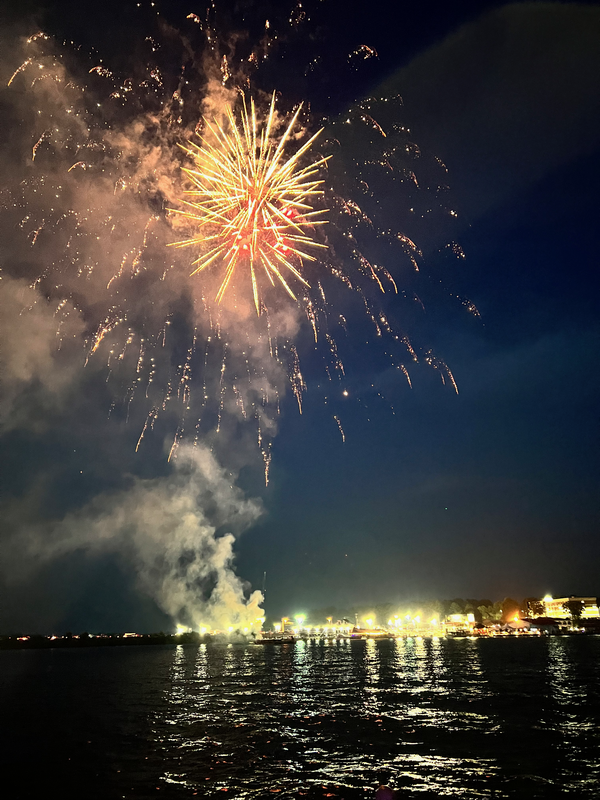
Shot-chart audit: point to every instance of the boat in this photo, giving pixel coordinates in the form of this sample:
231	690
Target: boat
274	637
370	633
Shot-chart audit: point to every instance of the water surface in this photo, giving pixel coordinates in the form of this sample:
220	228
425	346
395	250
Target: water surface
500	718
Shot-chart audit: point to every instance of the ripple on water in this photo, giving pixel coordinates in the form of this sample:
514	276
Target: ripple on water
438	718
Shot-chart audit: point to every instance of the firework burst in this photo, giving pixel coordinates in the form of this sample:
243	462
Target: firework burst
90	208
252	203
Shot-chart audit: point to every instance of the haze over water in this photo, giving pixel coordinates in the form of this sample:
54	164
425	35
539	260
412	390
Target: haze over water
509	718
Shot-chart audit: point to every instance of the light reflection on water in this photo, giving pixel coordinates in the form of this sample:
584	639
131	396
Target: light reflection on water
506	718
572	684
441	717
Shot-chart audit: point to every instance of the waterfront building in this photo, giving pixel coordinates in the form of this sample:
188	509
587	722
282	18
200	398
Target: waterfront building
459	623
557	608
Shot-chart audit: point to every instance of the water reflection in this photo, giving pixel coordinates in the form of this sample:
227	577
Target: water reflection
371	661
574	714
445	717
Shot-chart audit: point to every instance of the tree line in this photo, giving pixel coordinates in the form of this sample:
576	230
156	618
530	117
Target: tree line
483	609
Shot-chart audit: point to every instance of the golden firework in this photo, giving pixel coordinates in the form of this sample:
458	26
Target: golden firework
251	201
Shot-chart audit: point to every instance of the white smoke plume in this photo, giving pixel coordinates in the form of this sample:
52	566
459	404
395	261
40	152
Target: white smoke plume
89	291
177	532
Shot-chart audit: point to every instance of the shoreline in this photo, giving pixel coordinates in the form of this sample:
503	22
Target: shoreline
175	640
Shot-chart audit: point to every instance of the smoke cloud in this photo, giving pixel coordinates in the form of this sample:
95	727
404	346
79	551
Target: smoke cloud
39	363
99	320
177	532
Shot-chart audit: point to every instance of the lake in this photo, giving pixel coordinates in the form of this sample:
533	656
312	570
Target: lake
473	718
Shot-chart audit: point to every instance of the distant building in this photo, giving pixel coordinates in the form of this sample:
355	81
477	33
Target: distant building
547	625
554	607
459	623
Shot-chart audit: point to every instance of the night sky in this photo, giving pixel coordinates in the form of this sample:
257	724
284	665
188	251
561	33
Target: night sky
489	492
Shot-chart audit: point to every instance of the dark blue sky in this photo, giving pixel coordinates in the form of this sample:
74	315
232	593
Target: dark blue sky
492	491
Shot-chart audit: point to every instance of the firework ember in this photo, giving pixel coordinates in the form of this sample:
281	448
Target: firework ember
251	201
113	347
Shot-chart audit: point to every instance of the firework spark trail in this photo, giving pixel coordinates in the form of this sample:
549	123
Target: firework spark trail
250	203
341	430
102	168
148	424
251	206
261	224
